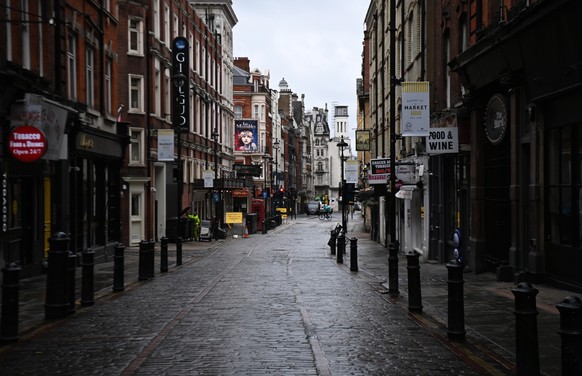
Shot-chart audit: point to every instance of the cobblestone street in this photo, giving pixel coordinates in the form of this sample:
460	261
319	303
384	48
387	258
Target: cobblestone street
274	304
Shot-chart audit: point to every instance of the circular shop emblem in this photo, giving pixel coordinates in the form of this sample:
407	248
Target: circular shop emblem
27	143
496	119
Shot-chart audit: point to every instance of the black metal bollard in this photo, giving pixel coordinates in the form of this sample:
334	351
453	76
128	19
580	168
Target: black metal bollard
164	255
414	295
88	277
354	254
527	356
118	268
56	303
71	281
456	316
332	240
141	266
10	293
571	334
341	245
393	249
151	259
179	251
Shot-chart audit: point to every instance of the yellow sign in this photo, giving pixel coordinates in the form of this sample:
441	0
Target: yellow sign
281	210
233	217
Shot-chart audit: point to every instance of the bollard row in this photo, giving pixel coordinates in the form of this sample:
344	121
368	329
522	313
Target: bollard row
60	297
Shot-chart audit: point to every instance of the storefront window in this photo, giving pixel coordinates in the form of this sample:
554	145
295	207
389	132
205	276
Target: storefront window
564	188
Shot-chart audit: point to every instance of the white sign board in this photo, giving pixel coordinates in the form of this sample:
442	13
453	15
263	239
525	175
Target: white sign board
415	109
406	173
351	171
165	144
208	176
442	141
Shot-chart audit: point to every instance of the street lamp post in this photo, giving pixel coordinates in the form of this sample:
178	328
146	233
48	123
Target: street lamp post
216	202
342	145
266	158
276	147
271	187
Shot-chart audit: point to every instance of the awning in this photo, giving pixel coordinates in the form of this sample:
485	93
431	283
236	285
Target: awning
405	192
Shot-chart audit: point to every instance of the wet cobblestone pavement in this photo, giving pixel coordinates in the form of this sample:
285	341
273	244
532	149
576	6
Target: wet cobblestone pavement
272	304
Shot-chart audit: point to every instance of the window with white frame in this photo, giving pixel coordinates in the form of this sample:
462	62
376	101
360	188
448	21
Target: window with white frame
90	77
107	88
135	45
136	205
192	118
135	93
203	63
25	34
167	93
410	32
176	25
40	40
256	111
167	24
136	147
238	112
196	60
72	67
157	88
156	18
191	52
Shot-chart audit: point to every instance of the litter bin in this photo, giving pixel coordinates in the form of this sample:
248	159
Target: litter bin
251	222
187	228
172	229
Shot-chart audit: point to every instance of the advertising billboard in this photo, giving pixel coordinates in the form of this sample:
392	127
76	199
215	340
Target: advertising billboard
246	136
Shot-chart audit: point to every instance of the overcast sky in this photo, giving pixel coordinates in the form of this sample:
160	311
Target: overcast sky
316	45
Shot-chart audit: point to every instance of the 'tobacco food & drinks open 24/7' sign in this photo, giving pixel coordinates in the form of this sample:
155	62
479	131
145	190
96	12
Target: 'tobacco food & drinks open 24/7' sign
27	143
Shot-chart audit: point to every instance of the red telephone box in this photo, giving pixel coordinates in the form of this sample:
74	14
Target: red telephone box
258	207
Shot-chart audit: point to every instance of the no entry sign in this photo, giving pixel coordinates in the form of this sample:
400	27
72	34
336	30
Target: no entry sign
27	143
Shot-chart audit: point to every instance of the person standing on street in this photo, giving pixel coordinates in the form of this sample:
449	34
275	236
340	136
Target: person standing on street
196	224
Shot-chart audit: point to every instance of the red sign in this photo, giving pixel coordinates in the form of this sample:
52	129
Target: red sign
27	143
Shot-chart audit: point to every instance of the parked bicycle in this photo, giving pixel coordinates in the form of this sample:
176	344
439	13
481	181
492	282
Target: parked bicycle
325	215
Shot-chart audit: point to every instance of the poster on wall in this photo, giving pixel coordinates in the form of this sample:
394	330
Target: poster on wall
415	109
246	136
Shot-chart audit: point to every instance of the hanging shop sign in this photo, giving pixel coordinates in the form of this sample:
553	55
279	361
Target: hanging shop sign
208	176
496	119
240	193
165	145
49	117
442	140
415	109
181	80
27	143
351	171
379	171
362	140
4	202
